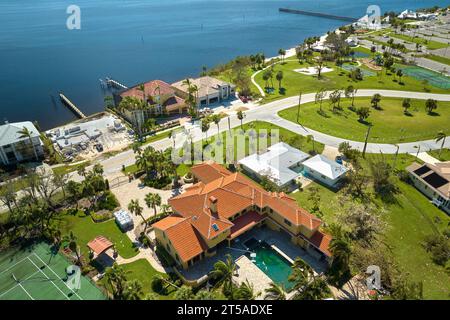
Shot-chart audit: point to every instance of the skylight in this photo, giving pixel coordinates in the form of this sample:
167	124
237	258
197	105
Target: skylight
215	227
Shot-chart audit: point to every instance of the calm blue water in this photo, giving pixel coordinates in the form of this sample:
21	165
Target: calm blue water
137	40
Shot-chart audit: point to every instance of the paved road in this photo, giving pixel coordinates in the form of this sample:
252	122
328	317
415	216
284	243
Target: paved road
268	113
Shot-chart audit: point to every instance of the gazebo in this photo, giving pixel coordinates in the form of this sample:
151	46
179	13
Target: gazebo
99	247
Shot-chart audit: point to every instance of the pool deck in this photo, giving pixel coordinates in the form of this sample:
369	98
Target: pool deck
248	271
279	241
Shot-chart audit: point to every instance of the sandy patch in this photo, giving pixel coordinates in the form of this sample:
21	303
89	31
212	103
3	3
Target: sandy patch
312	71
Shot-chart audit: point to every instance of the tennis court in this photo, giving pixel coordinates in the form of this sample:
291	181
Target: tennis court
37	273
435	79
350	67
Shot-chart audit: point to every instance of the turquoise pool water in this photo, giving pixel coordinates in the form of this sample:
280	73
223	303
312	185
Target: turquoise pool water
271	263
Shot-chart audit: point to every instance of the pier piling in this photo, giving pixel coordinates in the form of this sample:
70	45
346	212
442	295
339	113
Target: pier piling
71	106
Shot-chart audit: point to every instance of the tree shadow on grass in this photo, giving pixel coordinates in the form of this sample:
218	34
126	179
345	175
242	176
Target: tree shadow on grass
433	114
323	114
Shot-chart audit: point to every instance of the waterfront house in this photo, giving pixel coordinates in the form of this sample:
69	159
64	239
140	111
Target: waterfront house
222	206
210	90
159	98
433	181
281	164
324	170
15	148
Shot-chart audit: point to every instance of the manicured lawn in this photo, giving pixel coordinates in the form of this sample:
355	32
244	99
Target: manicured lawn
69	168
294	82
445	154
157	137
328	201
183	169
431	45
390	125
86	230
409	220
142	271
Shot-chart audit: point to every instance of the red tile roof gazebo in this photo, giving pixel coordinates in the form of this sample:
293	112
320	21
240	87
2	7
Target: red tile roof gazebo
99	245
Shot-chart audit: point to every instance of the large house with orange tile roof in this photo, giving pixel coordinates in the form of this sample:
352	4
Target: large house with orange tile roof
224	205
159	96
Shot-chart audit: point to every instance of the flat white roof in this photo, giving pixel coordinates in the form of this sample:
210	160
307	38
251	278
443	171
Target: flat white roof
276	163
9	132
329	168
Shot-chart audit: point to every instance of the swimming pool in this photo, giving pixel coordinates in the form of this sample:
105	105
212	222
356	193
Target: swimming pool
300	170
270	262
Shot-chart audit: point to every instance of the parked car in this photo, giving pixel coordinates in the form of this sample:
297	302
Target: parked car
99	147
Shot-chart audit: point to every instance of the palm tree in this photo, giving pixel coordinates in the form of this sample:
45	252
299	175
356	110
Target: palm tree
241	115
279	77
376	100
141	87
135	208
430	105
116	278
205	127
142	161
441	137
133	290
275	292
223	271
246	291
73	246
307	285
406	104
26	133
216	119
310	138
341	250
152	200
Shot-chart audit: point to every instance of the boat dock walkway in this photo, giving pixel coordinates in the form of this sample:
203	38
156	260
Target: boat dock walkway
71	106
113	83
318	14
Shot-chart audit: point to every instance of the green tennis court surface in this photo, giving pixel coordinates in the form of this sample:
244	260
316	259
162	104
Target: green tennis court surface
435	79
36	273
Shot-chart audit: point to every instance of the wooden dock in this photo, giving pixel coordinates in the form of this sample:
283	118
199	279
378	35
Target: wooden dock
71	106
113	83
318	14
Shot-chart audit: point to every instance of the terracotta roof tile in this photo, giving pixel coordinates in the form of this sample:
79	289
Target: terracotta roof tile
321	241
185	240
151	89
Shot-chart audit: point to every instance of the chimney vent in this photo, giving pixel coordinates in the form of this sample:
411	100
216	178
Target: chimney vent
213	204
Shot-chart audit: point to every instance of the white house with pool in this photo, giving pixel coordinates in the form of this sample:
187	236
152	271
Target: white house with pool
324	170
281	164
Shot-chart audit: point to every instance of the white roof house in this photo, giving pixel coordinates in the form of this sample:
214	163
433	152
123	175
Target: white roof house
9	132
13	148
324	169
276	163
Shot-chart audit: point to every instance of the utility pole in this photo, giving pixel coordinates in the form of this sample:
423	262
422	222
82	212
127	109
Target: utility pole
229	125
418	151
396	155
367	138
299	103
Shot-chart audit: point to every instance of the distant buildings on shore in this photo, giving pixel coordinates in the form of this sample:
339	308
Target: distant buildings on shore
159	97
